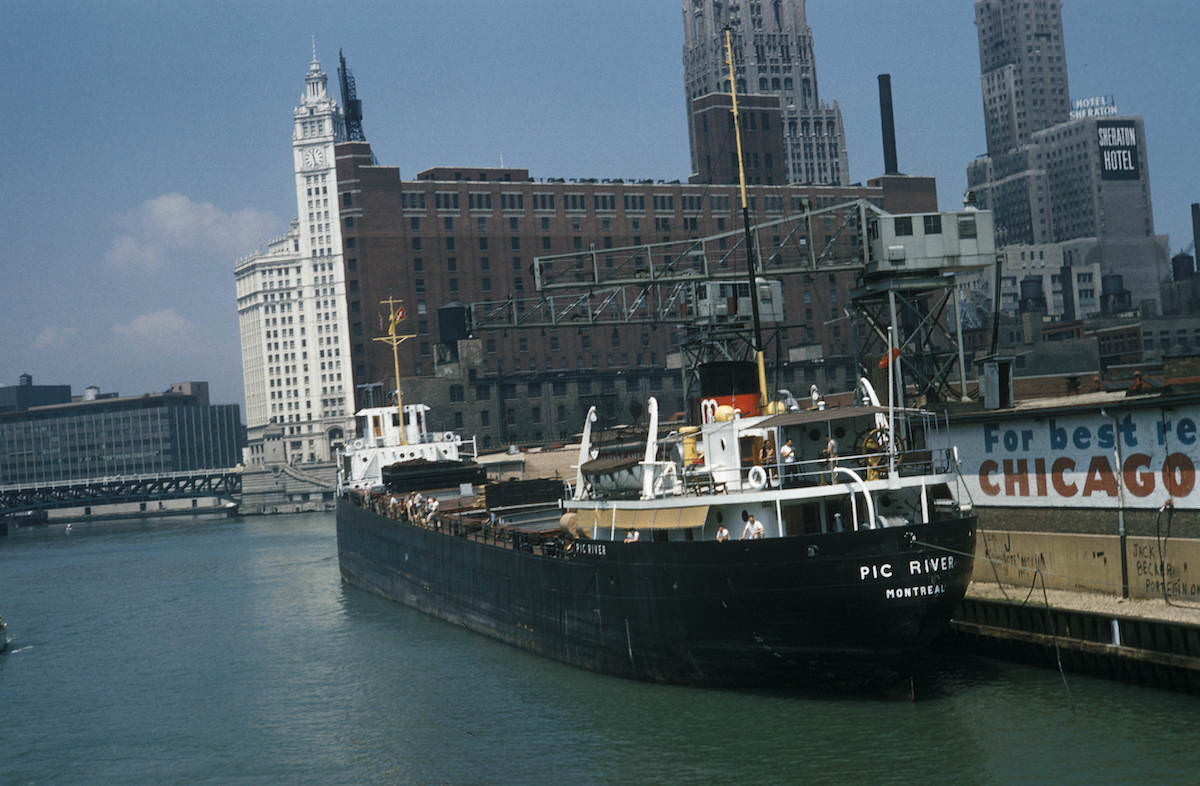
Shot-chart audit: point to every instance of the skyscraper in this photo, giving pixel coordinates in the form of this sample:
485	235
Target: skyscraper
292	298
1075	188
1023	69
773	55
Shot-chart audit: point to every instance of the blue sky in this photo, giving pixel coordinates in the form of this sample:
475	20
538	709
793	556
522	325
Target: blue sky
147	145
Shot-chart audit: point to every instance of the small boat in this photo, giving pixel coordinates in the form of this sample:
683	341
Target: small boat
3	636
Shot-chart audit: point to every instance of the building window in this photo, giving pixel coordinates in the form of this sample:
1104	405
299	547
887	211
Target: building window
903	225
966	226
933	225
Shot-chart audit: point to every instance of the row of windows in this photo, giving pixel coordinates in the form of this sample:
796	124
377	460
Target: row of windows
600	203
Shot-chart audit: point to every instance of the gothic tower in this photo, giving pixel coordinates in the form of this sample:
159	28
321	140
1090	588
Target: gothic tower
773	55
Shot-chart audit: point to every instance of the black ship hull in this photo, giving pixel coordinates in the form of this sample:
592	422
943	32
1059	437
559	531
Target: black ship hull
844	611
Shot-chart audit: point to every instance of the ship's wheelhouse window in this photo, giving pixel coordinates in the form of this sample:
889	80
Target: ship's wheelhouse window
376	426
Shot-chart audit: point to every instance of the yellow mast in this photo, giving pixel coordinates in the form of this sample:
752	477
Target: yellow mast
396	315
737	130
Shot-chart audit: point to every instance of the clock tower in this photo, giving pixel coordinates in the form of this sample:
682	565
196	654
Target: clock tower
322	386
292	305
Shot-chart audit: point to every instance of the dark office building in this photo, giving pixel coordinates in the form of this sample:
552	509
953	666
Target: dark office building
125	435
469	235
25	394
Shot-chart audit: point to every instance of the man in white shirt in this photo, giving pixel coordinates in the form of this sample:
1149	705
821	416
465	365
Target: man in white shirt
753	529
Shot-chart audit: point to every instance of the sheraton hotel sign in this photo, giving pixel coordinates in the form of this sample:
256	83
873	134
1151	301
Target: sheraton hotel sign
1118	149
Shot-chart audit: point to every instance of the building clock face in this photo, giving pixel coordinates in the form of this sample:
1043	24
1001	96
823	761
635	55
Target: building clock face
314	157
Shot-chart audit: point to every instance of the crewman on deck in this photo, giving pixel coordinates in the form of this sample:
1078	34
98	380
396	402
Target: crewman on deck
631	536
722	533
753	529
829	454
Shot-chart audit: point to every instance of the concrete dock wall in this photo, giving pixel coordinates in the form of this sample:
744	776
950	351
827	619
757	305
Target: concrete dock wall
1090	563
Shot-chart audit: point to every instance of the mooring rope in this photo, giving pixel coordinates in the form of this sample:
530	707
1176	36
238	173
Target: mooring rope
1037	572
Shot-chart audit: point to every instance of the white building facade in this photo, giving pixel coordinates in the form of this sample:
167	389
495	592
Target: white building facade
291	304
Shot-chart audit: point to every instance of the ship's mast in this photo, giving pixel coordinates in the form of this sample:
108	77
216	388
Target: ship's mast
396	315
750	250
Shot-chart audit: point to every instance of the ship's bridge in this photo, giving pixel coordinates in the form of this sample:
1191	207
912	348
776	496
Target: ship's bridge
380	426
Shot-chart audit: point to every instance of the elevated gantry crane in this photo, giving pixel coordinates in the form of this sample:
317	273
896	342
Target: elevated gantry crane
699	285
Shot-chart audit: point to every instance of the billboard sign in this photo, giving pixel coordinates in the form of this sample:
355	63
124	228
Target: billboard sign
1140	458
1118	149
1093	106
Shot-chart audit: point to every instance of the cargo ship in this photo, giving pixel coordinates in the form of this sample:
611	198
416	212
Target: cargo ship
745	551
715	559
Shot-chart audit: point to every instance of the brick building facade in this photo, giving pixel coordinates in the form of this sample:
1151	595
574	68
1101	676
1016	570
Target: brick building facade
470	235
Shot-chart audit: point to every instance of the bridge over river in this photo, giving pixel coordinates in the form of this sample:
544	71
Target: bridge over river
83	492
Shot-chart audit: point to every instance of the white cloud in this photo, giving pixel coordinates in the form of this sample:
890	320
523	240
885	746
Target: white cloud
156	327
172	227
53	336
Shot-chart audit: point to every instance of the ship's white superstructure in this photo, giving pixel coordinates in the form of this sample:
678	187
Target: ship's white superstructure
383	441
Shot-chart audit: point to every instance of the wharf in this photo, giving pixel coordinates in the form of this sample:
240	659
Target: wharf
1147	641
